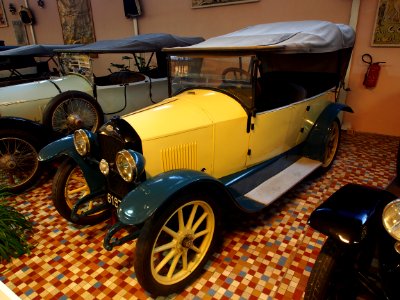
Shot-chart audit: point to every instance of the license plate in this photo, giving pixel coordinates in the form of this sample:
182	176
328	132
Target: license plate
113	200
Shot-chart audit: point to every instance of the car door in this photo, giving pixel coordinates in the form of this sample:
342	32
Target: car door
144	93
305	113
269	134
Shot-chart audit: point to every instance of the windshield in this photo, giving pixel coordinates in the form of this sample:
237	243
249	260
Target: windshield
230	74
76	63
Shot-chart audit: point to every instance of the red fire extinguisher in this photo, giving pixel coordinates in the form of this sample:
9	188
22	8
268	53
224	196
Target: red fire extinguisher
372	74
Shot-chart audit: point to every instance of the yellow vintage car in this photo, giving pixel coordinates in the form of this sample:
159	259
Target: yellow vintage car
250	114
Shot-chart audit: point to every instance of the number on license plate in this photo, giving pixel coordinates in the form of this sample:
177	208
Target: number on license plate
113	200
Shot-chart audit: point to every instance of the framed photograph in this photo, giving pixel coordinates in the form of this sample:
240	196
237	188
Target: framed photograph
208	3
387	24
3	18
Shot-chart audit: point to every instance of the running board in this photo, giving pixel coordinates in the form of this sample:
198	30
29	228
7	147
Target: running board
276	186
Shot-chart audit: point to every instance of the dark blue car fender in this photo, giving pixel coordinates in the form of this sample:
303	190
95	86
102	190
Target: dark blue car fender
314	146
351	213
65	146
44	134
143	201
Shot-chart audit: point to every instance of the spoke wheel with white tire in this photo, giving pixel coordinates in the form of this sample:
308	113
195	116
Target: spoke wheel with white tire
175	243
69	185
73	110
19	165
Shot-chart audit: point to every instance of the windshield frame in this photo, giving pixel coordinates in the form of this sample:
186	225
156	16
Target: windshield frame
242	90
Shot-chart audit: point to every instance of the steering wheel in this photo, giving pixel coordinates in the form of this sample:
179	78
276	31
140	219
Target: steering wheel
235	74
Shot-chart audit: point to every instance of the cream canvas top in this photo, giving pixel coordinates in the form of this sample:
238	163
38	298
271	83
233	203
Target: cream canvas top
287	37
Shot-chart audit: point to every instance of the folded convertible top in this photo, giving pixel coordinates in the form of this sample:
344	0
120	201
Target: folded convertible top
285	37
151	42
35	50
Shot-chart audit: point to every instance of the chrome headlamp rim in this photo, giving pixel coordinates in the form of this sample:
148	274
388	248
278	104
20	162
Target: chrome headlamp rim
391	218
134	164
126	165
81	142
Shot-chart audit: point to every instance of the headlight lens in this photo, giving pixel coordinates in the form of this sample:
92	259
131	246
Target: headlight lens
391	219
130	164
81	142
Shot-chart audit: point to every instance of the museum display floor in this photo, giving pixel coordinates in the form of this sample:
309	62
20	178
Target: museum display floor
269	256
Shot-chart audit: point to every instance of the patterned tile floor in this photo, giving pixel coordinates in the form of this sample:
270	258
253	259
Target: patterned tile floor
268	257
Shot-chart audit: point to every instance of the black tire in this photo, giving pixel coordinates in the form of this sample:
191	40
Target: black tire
69	186
73	110
154	235
19	164
333	275
331	146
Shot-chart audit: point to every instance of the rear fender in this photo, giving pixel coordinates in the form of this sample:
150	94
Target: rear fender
314	146
90	169
142	202
350	212
44	134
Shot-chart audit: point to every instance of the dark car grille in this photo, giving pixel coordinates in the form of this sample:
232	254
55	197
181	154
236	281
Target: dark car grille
109	147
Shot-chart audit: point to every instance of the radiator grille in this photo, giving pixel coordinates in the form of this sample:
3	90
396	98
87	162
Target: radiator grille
180	157
109	147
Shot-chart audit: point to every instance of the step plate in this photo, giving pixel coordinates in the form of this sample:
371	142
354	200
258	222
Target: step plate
276	186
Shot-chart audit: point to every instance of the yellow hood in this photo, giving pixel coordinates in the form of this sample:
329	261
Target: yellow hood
188	111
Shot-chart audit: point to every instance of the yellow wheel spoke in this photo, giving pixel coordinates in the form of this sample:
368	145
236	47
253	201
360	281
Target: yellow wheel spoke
185	260
191	217
170	232
173	265
181	220
165	260
195	249
77	190
199	221
201	233
165	247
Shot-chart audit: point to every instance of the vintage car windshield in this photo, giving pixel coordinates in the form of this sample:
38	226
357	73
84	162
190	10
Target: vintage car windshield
77	63
230	74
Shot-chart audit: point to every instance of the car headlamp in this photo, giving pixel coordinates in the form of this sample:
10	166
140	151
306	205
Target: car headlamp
391	219
81	142
130	164
104	167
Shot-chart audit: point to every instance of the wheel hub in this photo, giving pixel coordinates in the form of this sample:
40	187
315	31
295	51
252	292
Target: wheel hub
187	241
74	120
8	162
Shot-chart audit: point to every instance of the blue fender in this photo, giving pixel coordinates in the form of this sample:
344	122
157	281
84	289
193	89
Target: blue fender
314	146
59	147
90	169
141	203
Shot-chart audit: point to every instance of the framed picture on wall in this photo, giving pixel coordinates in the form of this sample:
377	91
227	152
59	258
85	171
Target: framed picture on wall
3	18
20	32
208	3
387	24
76	21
